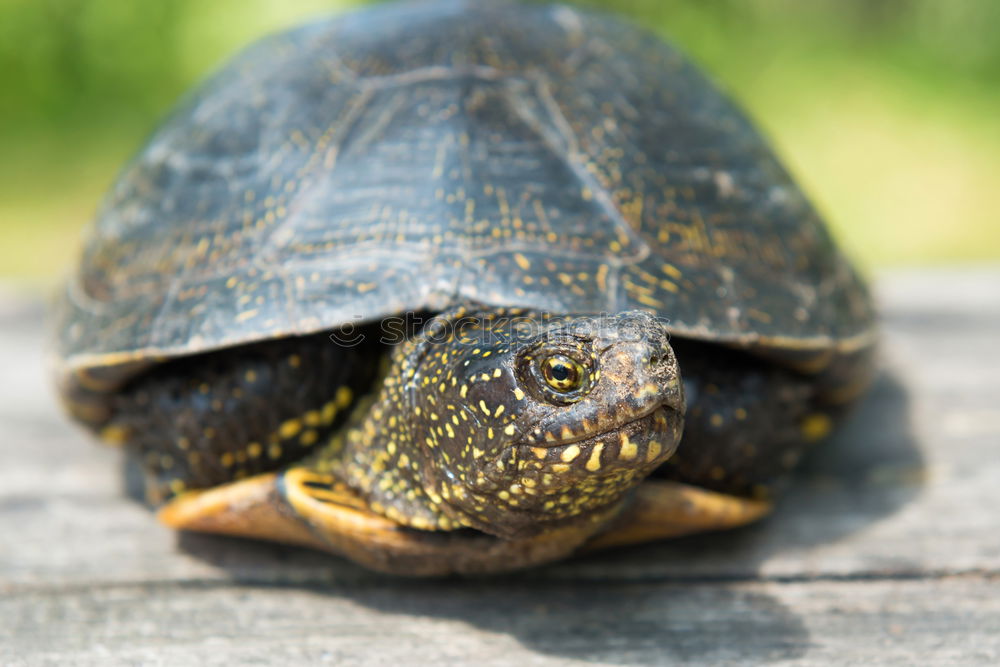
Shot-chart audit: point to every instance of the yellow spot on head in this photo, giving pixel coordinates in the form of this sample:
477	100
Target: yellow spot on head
570	453
274	451
254	450
518	394
594	462
671	271
227	459
816	427
628	448
290	428
649	389
308	438
654	451
114	435
344	397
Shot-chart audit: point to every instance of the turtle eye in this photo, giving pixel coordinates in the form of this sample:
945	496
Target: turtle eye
562	373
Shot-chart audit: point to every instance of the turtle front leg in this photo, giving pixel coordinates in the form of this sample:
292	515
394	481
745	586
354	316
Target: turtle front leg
308	508
661	509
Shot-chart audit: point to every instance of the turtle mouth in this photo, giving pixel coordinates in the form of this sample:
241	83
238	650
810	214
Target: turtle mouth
646	440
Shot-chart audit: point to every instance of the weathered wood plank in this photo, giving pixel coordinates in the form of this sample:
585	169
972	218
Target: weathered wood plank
876	524
946	621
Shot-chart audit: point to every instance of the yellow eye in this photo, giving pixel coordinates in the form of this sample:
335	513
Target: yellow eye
562	373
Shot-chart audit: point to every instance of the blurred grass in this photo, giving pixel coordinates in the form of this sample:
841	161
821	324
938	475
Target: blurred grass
886	110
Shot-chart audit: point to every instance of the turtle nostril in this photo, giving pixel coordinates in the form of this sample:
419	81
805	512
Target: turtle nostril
659	357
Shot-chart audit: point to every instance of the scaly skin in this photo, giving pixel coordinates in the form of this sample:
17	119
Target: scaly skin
467	432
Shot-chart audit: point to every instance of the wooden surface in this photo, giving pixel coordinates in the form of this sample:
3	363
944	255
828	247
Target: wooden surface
885	550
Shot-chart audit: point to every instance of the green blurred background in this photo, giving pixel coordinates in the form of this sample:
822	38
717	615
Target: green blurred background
888	111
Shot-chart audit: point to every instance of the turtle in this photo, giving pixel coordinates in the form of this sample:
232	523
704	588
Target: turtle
459	287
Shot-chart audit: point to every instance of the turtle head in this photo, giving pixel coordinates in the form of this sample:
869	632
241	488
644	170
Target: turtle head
518	420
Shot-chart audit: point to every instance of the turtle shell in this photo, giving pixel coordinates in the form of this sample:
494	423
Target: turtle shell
409	157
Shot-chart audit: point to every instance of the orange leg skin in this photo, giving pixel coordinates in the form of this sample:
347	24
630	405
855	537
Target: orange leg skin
661	509
287	507
248	508
284	508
